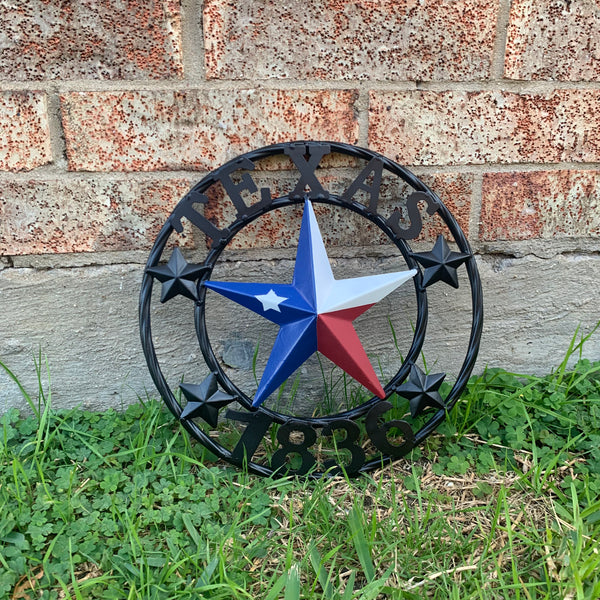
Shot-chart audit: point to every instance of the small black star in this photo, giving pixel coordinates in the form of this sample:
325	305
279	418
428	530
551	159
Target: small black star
204	400
421	390
441	263
177	277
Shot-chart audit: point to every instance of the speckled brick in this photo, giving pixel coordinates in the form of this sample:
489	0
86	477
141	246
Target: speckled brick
350	39
24	131
447	128
92	39
280	228
455	191
45	217
155	130
540	204
553	39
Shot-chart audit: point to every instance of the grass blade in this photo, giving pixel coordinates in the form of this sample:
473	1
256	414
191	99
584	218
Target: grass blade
322	576
277	587
292	587
204	579
362	546
349	589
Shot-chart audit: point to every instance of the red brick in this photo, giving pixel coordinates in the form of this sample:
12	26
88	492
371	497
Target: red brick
440	128
455	191
95	39
44	217
152	130
350	39
24	131
540	204
553	39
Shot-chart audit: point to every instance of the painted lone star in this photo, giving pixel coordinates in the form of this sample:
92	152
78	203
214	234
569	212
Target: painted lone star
314	313
270	301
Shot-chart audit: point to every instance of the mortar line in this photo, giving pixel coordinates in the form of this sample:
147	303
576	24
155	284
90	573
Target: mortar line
200	84
540	248
475	208
499	51
56	131
192	41
53	172
362	108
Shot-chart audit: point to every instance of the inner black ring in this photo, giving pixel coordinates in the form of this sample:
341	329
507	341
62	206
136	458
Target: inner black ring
401	374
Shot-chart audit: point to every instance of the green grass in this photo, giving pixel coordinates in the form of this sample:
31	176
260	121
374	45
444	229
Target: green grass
503	502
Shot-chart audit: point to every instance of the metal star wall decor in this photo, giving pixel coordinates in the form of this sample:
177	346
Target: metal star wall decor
334	383
177	277
314	312
204	400
422	390
441	263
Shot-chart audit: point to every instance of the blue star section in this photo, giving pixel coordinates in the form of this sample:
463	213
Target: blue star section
441	263
178	277
314	312
295	343
292	308
297	337
204	400
303	279
422	390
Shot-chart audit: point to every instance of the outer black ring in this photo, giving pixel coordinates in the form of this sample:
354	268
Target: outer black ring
418	338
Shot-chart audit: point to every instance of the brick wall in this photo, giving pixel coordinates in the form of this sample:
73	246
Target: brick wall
110	110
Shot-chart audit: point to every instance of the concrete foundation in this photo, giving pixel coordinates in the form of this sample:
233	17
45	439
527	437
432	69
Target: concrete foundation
83	318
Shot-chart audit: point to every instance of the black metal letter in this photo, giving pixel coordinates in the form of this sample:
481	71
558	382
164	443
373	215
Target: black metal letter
258	425
378	434
315	152
374	166
186	209
414	216
234	190
357	454
289	446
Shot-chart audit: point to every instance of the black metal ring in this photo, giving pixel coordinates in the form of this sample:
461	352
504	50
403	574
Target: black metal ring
219	245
